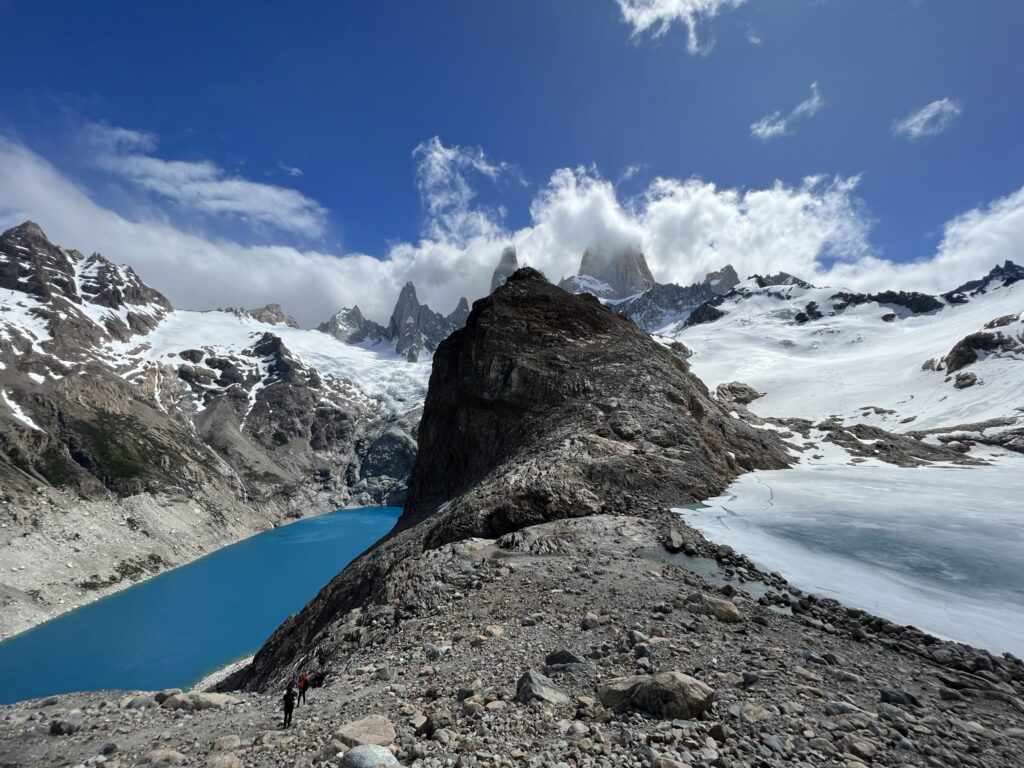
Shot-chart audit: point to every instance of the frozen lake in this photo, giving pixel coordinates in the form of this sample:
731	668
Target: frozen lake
941	548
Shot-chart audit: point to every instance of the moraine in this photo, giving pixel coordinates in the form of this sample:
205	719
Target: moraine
175	628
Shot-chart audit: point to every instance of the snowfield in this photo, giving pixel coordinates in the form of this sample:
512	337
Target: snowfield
840	365
378	375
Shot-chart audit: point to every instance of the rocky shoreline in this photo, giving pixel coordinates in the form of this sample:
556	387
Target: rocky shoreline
522	664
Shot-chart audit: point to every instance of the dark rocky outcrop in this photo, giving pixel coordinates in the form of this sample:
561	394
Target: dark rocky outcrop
723	280
545	406
415	327
1000	275
965	352
707	312
912	301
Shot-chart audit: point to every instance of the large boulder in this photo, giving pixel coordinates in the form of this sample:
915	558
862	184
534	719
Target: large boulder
372	729
534	685
667	695
723	610
193	702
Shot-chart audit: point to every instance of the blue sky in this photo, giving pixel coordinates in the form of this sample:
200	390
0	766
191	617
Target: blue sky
252	93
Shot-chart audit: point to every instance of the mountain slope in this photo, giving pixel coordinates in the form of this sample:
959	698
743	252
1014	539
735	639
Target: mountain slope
904	362
150	420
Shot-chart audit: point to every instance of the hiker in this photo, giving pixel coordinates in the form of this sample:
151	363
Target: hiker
303	685
289	705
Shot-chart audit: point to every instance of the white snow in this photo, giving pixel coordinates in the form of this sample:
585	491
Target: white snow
838	365
375	375
940	548
19	414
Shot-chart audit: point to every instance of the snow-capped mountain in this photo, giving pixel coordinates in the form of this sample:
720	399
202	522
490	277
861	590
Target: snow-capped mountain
153	422
947	367
414	330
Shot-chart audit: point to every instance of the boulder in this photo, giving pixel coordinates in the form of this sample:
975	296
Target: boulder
534	685
165	757
561	657
723	610
227	743
368	756
224	761
372	729
667	695
65	726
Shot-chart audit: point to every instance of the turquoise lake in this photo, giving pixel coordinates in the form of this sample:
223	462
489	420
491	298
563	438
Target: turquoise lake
177	627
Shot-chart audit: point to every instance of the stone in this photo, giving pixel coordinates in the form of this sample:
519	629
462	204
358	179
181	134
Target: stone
165	757
562	657
590	621
226	743
668	762
141	701
224	761
900	697
165	694
723	610
368	756
533	685
65	726
372	729
667	694
435	722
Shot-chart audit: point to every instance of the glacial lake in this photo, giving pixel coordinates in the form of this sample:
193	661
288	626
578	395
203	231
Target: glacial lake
938	547
172	630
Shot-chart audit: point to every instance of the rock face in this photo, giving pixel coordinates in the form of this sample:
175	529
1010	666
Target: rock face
545	406
624	271
506	266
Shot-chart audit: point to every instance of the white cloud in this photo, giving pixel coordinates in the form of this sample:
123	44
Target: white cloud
775	125
291	170
658	16
753	36
202	186
442	175
927	121
817	229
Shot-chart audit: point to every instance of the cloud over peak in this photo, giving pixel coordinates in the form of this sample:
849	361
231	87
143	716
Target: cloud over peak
930	120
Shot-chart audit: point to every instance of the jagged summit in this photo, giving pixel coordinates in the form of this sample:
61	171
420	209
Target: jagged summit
27	229
508	264
412	327
723	280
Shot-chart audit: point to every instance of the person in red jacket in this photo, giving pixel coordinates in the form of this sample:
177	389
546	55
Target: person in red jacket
303	685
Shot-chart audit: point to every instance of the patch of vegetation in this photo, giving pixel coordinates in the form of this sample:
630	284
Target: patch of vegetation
57	467
133	570
280	438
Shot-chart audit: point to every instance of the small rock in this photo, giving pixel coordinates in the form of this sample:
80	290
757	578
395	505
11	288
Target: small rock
368	756
533	685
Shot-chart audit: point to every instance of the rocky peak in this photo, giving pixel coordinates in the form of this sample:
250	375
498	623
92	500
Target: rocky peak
272	314
624	270
460	313
723	280
781	279
507	264
999	276
415	327
352	327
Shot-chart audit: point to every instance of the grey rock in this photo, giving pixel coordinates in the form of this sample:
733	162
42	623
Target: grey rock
668	694
533	685
368	756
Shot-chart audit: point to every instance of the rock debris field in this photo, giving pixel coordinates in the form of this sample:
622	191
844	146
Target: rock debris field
579	643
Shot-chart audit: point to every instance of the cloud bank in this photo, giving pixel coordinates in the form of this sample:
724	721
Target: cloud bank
817	229
776	124
930	120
